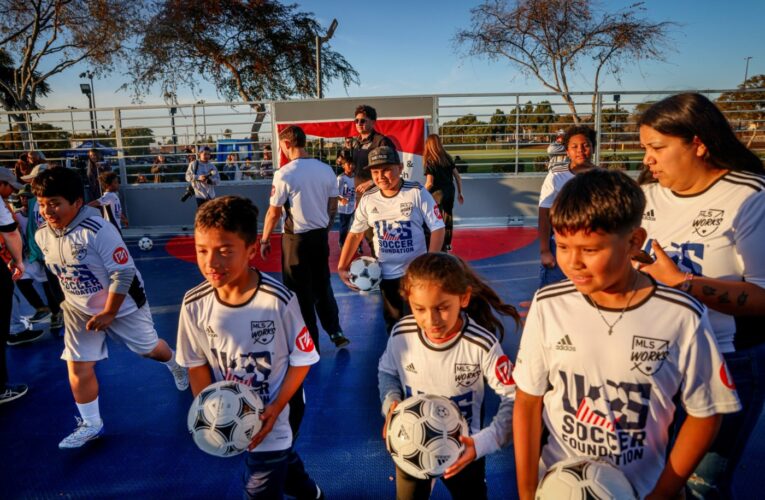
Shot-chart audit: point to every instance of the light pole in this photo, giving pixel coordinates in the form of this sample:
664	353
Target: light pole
172	124
71	118
746	71
204	118
89	74
86	89
319	41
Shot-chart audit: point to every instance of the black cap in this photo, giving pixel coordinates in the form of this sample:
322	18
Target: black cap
383	155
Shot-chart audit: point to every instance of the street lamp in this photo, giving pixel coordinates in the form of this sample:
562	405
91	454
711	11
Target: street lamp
172	124
86	89
319	41
89	74
746	71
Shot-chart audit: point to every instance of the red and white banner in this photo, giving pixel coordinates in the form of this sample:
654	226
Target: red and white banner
408	134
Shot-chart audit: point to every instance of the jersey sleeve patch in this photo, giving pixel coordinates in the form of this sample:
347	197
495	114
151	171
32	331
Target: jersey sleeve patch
504	370
303	341
120	256
726	378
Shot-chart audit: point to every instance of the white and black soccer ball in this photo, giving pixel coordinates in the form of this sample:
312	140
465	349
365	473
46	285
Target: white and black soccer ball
585	478
423	435
365	273
145	244
224	417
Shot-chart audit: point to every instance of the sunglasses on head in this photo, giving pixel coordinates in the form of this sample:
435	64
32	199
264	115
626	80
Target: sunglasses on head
361	121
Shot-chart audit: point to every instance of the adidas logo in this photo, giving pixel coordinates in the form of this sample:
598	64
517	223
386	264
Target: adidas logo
375	211
209	331
442	459
649	215
410	368
565	344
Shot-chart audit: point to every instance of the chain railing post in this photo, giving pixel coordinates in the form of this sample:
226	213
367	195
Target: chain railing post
120	146
517	129
598	123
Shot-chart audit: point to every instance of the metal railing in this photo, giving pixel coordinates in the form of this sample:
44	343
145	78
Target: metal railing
486	133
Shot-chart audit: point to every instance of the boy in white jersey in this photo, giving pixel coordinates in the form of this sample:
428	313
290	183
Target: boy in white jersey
346	201
397	210
104	294
603	355
245	326
450	346
109	202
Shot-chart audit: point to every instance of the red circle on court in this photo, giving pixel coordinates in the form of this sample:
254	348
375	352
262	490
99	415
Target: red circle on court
469	244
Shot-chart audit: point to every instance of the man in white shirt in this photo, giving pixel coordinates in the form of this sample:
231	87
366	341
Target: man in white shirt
306	189
11	268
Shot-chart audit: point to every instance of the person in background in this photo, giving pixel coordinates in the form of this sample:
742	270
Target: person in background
267	165
440	174
11	269
94	168
557	151
230	170
159	168
203	176
346	201
109	203
579	142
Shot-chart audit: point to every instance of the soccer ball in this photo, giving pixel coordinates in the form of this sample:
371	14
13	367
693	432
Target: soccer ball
584	478
224	417
365	273
145	244
423	435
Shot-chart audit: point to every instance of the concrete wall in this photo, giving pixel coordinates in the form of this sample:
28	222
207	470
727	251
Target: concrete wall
490	199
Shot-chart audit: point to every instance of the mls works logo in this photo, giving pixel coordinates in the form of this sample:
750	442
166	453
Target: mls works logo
262	331
648	354
466	374
406	209
707	221
79	252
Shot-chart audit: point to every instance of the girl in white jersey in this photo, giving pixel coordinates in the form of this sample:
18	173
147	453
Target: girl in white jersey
450	346
705	218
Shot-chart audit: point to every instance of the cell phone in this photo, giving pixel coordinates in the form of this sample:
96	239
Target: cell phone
643	257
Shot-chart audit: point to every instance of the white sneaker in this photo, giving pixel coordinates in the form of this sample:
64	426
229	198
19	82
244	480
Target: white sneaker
181	377
82	434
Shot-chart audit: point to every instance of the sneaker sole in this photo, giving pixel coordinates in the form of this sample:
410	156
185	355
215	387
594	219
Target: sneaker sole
27	341
64	447
341	343
12	398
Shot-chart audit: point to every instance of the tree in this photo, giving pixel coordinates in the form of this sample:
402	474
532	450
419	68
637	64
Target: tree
136	140
550	39
465	130
544	115
249	50
56	35
745	107
499	126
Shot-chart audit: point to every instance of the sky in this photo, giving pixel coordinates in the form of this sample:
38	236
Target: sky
406	48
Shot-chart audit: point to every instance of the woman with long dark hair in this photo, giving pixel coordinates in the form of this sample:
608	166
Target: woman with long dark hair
705	218
440	174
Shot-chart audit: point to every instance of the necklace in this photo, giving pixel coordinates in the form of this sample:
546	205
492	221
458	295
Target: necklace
621	314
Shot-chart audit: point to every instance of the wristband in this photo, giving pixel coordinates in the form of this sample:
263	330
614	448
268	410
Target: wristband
265	242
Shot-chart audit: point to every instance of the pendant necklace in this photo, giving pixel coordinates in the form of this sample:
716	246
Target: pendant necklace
612	325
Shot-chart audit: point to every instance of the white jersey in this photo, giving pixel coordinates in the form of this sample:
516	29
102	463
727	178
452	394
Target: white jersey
304	187
611	396
719	233
556	178
90	260
254	343
398	224
111	208
346	189
458	369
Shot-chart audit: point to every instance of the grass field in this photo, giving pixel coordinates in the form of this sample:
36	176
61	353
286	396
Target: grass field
533	159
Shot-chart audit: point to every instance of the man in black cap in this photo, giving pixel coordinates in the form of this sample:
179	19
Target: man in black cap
11	268
396	210
367	140
203	176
